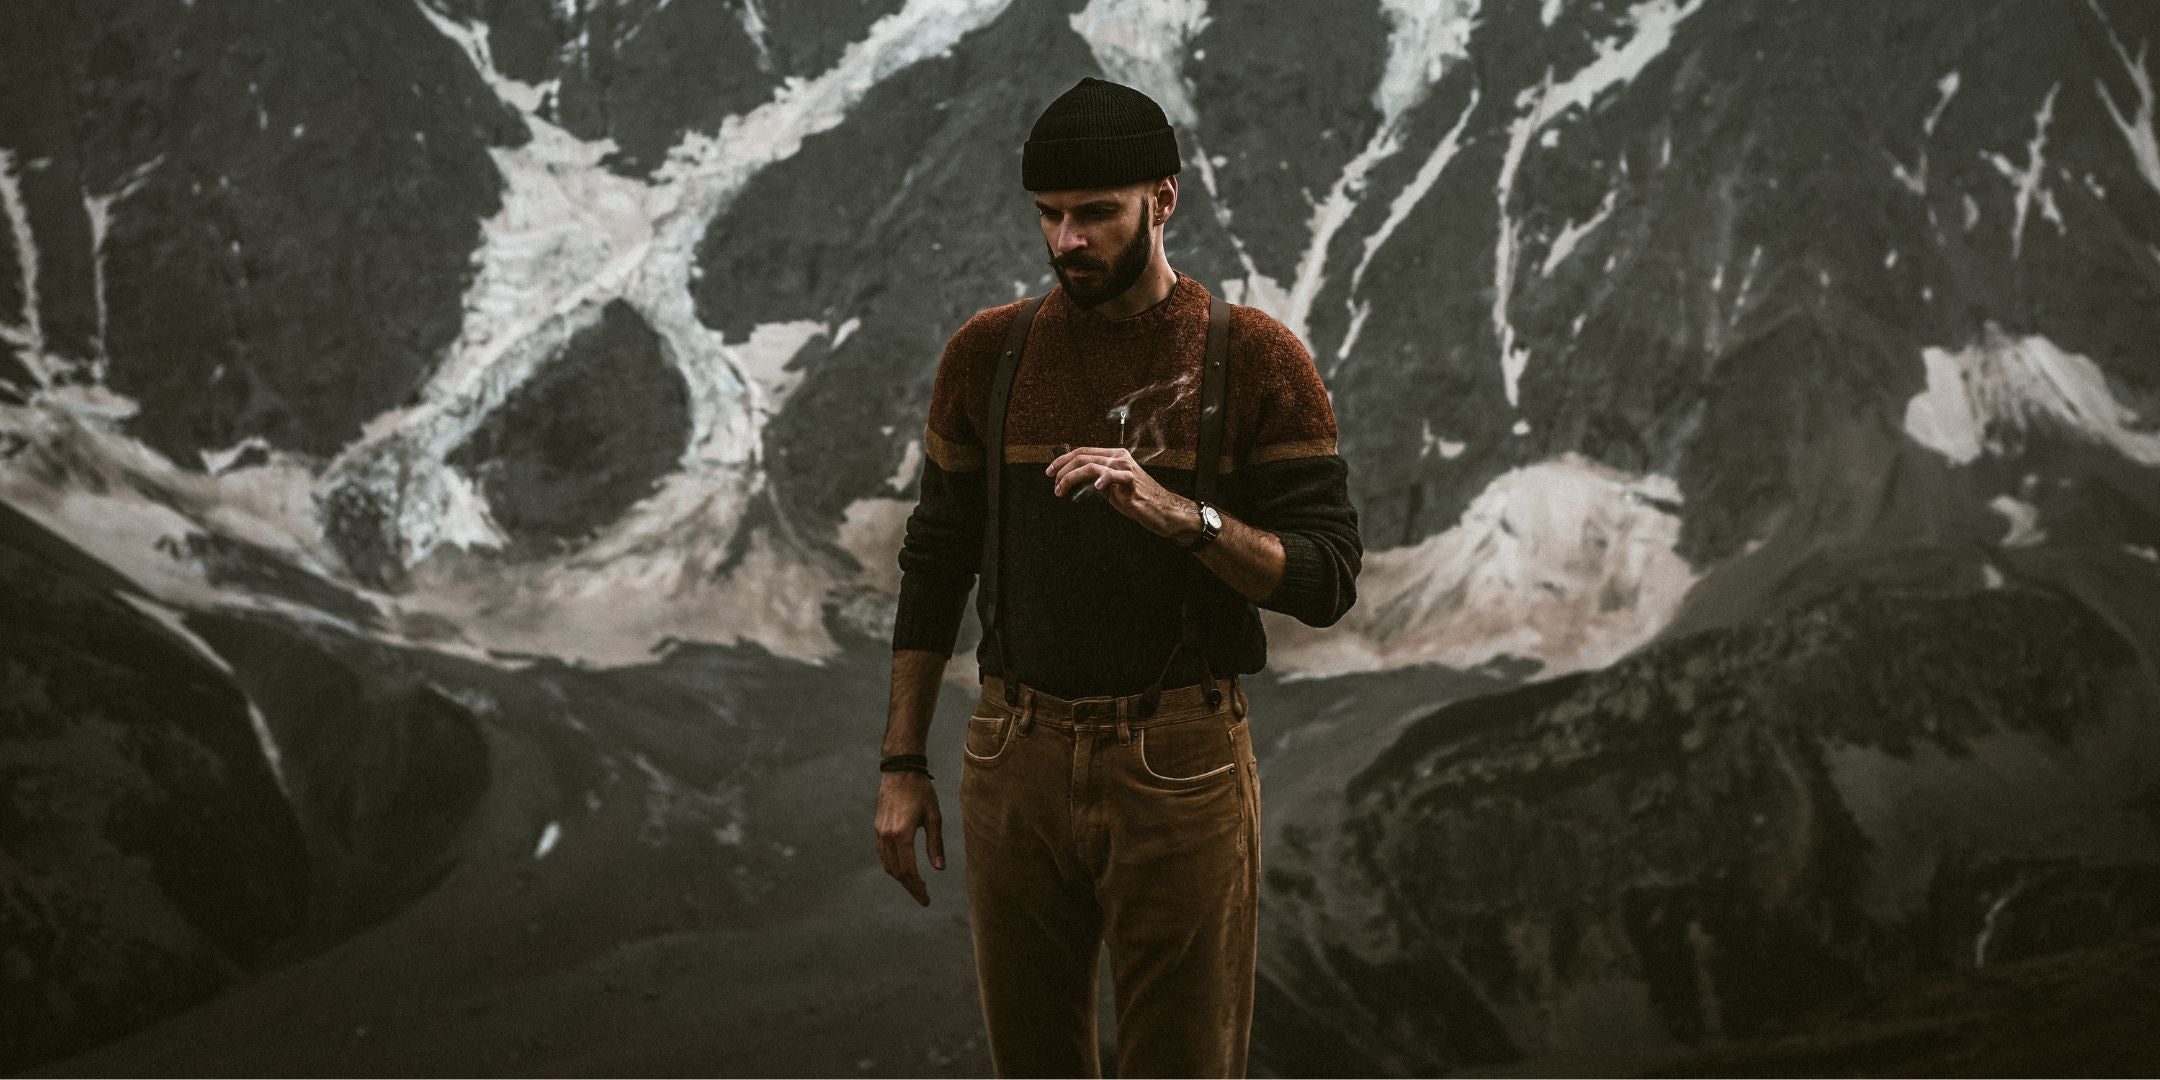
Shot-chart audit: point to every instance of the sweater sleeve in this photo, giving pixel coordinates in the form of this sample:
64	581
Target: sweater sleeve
942	549
1296	484
939	558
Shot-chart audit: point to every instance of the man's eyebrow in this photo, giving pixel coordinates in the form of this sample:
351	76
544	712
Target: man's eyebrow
1093	206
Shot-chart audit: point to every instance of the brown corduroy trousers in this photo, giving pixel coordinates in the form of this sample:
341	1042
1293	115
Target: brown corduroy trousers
1088	824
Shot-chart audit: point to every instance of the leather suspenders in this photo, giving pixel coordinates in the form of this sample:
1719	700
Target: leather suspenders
986	597
1214	379
1214	382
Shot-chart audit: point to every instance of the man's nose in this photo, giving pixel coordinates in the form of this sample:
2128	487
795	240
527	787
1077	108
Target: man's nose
1068	239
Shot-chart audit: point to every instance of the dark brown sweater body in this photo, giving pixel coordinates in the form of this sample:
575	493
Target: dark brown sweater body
1092	600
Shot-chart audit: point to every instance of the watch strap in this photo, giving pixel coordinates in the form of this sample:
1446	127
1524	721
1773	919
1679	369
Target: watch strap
1208	532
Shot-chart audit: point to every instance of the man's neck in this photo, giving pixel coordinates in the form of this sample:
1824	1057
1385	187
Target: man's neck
1153	288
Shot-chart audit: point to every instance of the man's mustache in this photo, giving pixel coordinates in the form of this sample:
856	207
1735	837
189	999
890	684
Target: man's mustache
1074	260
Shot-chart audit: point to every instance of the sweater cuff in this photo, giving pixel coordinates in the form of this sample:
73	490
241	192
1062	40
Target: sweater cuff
1307	589
929	614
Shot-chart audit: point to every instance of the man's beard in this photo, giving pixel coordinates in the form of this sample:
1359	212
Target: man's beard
1124	270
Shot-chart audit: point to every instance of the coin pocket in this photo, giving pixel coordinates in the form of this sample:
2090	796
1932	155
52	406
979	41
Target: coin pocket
987	737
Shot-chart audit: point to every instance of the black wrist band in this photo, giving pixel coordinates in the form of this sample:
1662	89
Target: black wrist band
906	763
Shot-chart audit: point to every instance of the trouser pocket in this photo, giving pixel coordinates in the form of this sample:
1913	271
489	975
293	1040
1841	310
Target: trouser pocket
989	738
1186	753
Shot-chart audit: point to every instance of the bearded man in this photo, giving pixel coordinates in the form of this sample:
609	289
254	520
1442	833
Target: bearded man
1109	790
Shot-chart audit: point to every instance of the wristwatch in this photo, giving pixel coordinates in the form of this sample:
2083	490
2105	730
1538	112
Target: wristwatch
1210	526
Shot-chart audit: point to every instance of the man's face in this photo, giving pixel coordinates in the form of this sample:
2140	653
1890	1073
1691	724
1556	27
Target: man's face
1100	239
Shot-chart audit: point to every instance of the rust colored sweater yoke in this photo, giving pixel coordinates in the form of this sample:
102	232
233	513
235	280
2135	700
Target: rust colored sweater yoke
1091	599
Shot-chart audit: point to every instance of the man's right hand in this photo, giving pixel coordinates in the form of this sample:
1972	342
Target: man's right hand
907	802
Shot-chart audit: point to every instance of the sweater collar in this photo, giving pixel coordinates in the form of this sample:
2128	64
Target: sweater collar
1186	295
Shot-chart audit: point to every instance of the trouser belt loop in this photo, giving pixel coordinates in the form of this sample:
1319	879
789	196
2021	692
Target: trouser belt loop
1027	709
1124	722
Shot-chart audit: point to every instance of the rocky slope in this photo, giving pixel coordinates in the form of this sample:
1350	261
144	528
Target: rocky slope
1724	832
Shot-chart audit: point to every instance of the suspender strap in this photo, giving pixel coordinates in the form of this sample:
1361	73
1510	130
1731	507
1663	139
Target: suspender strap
1214	380
993	497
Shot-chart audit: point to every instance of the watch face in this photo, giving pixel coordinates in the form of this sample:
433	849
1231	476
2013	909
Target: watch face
1213	519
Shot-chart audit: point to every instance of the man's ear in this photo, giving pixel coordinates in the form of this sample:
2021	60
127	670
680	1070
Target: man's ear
1165	198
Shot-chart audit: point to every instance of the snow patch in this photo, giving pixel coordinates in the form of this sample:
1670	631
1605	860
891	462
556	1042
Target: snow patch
549	837
29	335
764	360
467	523
2138	130
1143	44
1947	86
1981	398
847	330
570	239
871	535
1617	63
1359	312
1571	234
2026	188
753	24
1414	193
1430	443
911	458
1419	49
659	575
1567	562
2024	519
218	461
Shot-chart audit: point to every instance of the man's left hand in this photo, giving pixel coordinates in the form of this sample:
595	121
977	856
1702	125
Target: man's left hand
1128	487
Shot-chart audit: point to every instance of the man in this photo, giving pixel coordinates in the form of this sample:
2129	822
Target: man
1109	791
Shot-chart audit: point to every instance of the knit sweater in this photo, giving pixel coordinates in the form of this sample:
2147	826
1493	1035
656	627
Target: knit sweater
1091	600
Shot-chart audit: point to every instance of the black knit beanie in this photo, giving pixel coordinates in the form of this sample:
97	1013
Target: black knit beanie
1098	134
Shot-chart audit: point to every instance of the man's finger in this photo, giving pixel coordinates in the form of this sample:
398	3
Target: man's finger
1115	476
1060	461
1074	477
912	878
888	853
936	844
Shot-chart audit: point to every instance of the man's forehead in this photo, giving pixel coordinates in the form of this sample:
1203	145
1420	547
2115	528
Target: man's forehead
1068	199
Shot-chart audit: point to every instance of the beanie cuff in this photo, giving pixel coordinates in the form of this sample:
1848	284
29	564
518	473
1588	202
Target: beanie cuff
1098	160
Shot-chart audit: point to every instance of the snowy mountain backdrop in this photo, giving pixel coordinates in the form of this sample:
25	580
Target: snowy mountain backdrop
452	456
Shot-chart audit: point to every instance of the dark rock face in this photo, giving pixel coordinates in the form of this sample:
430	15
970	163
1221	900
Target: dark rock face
306	186
2085	1012
381	768
1723	833
147	858
592	434
817	236
153	854
1664	341
1268	183
647	72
